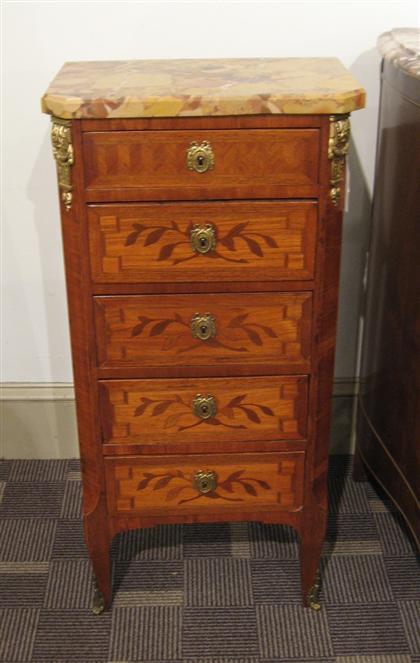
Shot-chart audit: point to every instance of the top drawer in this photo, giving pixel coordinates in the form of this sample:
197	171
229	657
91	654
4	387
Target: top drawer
157	165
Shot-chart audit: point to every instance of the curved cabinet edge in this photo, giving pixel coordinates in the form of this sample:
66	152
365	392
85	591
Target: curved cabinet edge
387	473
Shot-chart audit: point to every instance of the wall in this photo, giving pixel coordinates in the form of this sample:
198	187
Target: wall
39	36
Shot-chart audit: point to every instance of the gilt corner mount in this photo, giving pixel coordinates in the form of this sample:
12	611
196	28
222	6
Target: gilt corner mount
338	147
64	157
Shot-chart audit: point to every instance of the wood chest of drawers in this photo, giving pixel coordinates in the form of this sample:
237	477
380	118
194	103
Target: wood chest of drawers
202	240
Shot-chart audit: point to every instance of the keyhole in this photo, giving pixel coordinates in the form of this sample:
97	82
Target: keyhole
204	409
200	160
203	242
203	329
205	485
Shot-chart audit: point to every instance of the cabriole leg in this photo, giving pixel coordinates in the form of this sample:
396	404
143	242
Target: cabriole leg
98	602
98	542
311	542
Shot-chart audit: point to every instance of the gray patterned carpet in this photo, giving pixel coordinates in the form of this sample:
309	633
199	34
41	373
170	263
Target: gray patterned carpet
202	594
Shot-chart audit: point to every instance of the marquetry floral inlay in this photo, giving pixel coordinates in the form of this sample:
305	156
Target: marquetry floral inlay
158	407
184	482
252	331
153	234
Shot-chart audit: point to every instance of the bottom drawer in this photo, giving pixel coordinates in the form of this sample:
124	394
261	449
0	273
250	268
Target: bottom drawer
165	485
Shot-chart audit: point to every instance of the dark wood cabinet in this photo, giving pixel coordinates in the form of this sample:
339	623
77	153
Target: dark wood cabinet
388	437
202	248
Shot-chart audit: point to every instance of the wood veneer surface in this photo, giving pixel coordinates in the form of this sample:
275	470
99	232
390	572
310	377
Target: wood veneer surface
269	364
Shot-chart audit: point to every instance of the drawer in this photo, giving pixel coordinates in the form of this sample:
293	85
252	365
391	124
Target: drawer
164	331
183	242
152	485
163	163
203	410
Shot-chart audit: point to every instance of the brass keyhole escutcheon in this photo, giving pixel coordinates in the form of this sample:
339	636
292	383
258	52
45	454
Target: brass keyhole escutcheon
200	158
203	238
204	407
205	481
203	326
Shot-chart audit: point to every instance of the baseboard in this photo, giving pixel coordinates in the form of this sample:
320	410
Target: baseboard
39	420
346	387
36	391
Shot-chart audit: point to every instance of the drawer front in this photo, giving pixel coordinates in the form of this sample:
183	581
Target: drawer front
235	241
204	483
163	160
203	410
198	330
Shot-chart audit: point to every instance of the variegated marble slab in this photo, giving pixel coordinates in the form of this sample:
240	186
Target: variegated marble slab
171	88
401	46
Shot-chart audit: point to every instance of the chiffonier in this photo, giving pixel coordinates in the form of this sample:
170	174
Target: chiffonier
201	205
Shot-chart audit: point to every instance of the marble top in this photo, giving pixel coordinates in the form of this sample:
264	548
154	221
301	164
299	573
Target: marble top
172	88
401	46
